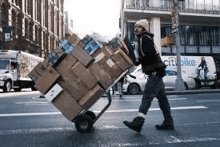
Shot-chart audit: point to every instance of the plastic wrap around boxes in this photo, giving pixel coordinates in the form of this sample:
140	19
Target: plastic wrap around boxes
75	75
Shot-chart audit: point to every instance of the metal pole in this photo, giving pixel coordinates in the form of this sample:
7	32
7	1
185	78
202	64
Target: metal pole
179	84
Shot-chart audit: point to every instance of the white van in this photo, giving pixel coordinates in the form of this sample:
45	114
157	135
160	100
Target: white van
203	72
189	67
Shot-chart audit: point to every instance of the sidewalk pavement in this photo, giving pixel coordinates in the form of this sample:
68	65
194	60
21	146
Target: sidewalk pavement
196	91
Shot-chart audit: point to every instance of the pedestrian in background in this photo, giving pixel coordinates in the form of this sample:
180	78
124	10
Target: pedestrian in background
120	86
152	66
204	67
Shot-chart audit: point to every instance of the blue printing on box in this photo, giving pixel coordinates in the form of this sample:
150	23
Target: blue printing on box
53	57
91	47
66	46
86	41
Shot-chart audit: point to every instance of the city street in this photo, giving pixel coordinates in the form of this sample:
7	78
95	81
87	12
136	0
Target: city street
29	121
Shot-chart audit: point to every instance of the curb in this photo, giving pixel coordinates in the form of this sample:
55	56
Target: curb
193	91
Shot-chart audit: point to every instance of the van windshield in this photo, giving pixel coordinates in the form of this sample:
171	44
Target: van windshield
4	63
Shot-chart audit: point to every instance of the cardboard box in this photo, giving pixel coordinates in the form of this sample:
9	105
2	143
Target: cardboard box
64	67
103	78
44	83
82	55
81	72
40	69
75	87
126	57
123	44
108	51
73	39
58	51
85	41
67	105
91	97
112	69
91	46
120	61
167	41
96	53
108	65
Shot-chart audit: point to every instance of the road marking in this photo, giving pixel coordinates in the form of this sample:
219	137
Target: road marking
35	130
31	103
3	95
29	114
208	101
138	100
171	139
155	109
189	139
101	100
108	111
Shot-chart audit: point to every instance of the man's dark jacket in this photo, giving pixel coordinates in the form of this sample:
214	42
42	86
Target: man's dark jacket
148	54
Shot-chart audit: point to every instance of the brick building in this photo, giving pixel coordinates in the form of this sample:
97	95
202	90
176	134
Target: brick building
34	26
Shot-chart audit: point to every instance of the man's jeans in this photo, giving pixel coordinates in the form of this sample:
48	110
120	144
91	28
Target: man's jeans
155	88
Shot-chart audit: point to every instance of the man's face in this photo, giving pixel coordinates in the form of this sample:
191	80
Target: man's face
138	30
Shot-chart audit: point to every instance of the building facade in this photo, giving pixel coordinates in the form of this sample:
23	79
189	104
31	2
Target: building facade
199	24
34	26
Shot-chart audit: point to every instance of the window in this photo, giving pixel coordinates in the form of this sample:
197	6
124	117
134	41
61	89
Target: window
171	73
4	15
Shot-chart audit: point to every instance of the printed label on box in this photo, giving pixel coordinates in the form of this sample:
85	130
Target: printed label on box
53	57
54	91
66	46
91	47
99	57
110	62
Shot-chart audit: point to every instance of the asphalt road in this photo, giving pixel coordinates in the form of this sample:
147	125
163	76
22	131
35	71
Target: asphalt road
29	121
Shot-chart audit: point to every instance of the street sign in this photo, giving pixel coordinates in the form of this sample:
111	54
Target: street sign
8	33
174	17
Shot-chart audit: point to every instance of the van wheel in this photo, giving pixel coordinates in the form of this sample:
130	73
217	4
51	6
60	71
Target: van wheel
133	88
7	86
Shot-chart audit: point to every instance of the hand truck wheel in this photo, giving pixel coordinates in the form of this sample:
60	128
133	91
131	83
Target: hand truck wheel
91	114
83	123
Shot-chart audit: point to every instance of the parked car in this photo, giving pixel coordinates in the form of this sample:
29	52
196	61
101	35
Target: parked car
135	85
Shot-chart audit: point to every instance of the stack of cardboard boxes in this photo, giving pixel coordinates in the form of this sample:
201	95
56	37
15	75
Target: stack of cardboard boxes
75	75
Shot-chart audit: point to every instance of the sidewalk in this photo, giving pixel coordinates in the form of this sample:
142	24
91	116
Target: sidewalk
197	91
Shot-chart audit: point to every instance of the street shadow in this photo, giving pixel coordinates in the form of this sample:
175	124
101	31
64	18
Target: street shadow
82	138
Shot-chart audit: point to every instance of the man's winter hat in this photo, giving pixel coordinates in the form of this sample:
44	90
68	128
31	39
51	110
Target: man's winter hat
144	23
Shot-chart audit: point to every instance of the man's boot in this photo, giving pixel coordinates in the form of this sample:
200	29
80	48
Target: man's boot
136	124
165	126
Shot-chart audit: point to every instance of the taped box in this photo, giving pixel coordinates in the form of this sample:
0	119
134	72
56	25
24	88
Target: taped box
40	69
67	105
73	39
167	41
44	83
89	44
84	74
64	67
82	55
74	86
91	97
102	77
108	65
120	61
